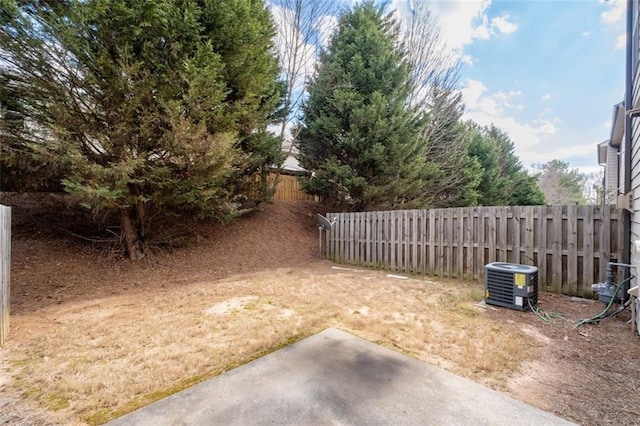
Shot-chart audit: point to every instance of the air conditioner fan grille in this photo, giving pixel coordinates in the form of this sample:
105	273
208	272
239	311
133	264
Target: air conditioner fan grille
500	286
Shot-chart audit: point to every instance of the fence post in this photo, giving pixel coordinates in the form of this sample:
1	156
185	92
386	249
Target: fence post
556	247
572	250
587	251
5	270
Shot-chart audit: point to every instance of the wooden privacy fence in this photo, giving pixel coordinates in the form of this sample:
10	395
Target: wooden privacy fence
288	189
570	245
5	268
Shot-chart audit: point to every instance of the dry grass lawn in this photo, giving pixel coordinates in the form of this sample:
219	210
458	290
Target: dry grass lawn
106	357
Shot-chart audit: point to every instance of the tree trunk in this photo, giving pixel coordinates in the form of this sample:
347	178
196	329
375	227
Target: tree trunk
279	170
133	244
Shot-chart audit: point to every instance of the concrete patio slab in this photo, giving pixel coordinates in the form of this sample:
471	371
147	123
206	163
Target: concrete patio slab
336	378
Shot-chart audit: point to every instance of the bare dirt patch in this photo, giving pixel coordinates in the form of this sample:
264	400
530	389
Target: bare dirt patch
93	338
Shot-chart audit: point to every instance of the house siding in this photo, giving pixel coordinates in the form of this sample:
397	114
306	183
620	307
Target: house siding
611	178
635	133
635	146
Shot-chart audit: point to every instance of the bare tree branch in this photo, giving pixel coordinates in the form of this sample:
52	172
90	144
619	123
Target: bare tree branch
304	27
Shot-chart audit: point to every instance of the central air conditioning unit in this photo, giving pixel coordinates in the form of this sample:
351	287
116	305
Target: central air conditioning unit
511	285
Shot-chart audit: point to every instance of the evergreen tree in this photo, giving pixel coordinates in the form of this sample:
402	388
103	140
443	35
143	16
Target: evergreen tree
141	105
456	174
358	136
491	186
504	180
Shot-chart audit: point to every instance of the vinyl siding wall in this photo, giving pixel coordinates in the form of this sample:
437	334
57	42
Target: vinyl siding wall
635	149
635	136
612	180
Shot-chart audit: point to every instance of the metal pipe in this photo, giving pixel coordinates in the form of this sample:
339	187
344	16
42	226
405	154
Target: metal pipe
628	98
627	274
628	103
628	265
609	270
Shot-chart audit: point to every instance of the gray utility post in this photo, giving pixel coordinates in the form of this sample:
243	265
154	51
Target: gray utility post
324	224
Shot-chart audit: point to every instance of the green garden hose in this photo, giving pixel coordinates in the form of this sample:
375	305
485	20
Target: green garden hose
602	315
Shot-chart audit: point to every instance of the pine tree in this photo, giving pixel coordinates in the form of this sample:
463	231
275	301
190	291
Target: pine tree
141	105
504	181
359	137
456	176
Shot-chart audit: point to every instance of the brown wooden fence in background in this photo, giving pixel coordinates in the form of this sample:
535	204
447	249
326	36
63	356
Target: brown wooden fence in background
570	245
288	189
5	269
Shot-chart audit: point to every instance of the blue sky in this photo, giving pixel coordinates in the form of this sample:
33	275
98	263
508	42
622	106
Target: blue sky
546	71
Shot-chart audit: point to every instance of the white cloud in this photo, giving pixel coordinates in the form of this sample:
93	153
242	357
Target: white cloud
621	42
615	12
585	33
467	59
536	139
483	30
546	127
326	24
559	152
474	99
545	97
502	24
590	169
292	48
487	108
461	21
506	96
614	17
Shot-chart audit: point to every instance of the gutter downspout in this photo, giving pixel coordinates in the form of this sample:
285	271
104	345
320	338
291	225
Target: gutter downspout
628	101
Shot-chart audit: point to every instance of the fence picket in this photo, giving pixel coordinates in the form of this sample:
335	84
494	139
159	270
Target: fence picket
542	244
514	241
587	251
343	238
448	237
492	234
572	250
556	246
392	224
432	242
501	238
441	256
459	240
414	241
423	241
387	246
468	243
605	243
406	240
529	236
481	259
5	271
